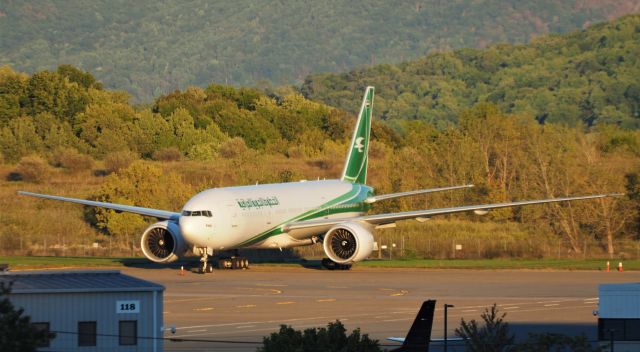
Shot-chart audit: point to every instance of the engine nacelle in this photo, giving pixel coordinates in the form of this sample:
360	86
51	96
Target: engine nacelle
347	243
162	242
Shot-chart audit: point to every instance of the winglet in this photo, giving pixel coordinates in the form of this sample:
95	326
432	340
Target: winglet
355	168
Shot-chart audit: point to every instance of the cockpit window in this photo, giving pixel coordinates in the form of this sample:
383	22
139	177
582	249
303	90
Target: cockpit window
206	213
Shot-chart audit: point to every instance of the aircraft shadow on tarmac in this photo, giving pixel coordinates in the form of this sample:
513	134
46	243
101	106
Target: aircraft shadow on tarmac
262	256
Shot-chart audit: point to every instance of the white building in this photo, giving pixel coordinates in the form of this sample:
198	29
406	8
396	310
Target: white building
91	310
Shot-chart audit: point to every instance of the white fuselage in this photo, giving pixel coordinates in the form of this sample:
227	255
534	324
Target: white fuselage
251	216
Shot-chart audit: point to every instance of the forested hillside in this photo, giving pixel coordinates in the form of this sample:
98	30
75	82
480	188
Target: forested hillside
584	78
151	47
62	133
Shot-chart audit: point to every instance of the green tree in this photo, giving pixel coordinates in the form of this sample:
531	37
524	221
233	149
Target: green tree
141	184
493	336
17	334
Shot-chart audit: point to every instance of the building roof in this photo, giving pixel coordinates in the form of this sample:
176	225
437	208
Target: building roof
622	287
76	281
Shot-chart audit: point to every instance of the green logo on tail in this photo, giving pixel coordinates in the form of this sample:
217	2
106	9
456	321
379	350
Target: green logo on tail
355	169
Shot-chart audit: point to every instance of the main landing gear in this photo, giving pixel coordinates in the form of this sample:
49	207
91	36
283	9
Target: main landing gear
233	263
331	265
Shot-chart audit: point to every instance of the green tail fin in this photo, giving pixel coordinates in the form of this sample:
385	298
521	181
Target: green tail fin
355	168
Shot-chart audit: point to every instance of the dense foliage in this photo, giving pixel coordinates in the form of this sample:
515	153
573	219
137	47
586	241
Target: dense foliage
333	338
582	78
50	112
151	47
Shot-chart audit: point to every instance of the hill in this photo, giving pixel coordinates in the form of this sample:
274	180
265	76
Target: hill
586	77
150	47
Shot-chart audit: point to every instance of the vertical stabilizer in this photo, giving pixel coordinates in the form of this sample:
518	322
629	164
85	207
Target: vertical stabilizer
419	336
355	168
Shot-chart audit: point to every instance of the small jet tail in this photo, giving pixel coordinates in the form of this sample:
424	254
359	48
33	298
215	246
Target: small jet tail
419	335
355	168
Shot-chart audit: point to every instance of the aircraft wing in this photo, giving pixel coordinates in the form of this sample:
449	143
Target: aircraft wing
412	193
160	214
381	219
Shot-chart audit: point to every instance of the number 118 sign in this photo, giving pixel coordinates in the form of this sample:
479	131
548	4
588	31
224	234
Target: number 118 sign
127	307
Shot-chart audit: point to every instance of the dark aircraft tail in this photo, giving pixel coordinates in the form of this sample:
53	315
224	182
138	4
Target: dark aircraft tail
419	335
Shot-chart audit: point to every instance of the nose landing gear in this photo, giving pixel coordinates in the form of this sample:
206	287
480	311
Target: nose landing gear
205	267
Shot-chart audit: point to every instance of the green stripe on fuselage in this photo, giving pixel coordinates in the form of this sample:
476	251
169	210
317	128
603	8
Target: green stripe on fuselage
352	201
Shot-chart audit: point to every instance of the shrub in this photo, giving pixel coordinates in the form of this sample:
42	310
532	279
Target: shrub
167	154
32	169
233	147
333	338
72	160
117	161
202	152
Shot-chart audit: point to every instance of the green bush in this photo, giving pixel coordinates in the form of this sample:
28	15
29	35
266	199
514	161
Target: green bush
333	338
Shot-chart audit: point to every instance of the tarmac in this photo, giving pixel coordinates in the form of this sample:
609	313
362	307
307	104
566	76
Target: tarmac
239	307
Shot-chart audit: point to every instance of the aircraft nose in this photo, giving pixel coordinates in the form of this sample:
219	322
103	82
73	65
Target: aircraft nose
187	228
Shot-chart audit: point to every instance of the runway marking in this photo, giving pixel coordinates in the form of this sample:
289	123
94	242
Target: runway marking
469	311
244	326
271	285
246	306
202	309
289	302
272	290
196	331
337	287
326	300
402	319
511	308
401	293
552	305
381	316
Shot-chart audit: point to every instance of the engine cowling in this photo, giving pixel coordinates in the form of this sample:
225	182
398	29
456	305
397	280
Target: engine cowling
162	242
348	243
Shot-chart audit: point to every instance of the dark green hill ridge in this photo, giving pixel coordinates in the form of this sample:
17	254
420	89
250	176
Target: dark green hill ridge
151	47
586	77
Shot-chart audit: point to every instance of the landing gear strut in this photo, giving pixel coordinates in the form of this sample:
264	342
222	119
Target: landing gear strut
331	265
205	267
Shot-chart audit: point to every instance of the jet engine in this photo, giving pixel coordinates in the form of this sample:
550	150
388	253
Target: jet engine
162	242
347	243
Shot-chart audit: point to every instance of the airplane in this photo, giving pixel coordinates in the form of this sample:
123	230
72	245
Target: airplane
285	215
